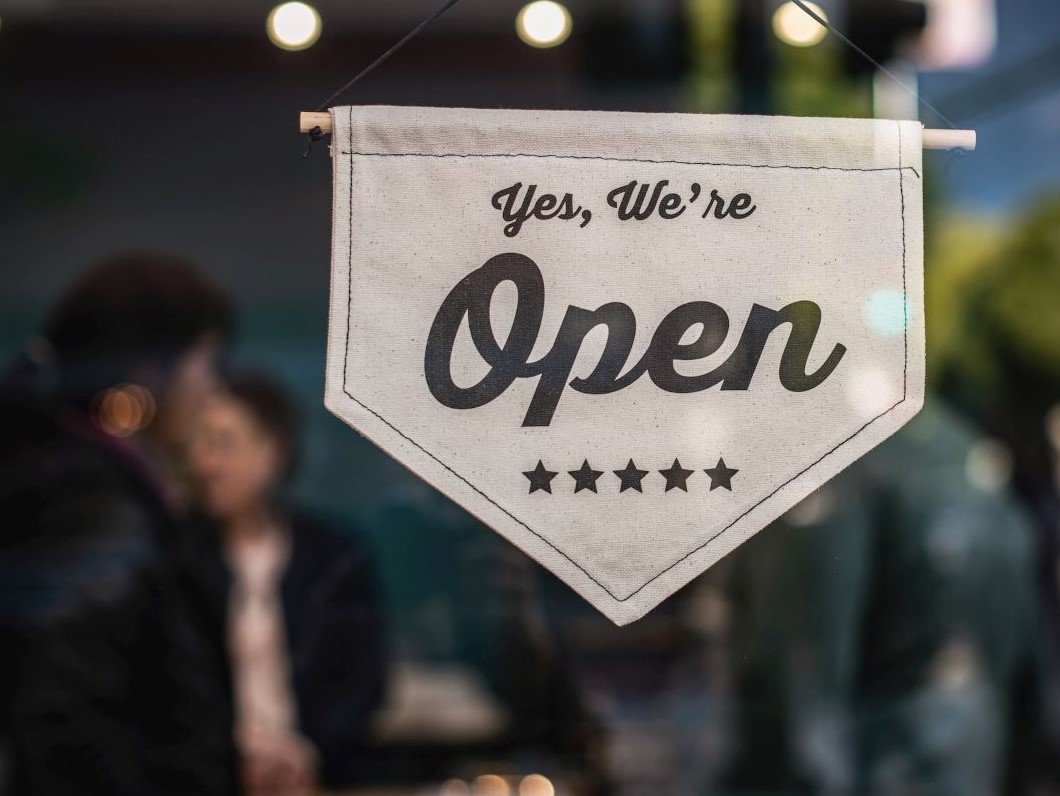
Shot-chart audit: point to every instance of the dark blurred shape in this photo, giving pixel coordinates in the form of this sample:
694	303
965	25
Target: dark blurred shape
478	624
290	604
510	636
635	42
43	171
885	632
105	687
136	314
1006	375
752	55
882	28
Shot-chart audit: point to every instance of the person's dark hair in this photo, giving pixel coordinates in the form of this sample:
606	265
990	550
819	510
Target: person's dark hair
130	311
271	406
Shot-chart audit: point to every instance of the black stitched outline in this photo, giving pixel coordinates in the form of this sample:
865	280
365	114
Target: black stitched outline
615	160
905	290
615	597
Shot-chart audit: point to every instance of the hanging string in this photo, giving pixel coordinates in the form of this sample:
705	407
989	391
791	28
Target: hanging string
849	43
316	133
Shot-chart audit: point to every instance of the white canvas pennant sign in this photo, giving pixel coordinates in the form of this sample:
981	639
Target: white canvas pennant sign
627	342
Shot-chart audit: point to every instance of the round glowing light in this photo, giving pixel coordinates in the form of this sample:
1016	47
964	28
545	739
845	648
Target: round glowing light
543	23
536	785
124	410
795	27
490	785
293	26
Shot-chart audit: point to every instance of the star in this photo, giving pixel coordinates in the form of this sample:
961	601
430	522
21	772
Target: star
721	475
676	476
540	478
585	477
630	477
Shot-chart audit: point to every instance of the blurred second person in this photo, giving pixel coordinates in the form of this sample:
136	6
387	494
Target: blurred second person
290	602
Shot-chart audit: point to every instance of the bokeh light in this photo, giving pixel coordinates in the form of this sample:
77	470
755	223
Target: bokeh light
293	26
543	23
872	390
989	465
490	785
887	312
795	27
815	508
124	410
536	785
455	787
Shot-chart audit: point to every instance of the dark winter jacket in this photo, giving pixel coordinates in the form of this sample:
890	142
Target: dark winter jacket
106	686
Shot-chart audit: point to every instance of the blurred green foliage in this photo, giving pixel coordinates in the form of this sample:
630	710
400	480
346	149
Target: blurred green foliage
710	85
804	81
811	81
959	253
992	290
1022	289
994	308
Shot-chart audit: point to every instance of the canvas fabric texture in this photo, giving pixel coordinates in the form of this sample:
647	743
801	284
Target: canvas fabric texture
627	342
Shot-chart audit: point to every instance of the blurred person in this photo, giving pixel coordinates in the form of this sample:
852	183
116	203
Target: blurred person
290	603
884	631
105	686
1003	369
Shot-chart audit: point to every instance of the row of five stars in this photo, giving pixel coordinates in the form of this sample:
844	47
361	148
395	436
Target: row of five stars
631	477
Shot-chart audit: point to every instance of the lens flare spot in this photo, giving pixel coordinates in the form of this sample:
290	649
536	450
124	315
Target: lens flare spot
887	312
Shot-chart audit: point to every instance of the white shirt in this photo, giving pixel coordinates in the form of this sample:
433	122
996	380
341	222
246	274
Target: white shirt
257	641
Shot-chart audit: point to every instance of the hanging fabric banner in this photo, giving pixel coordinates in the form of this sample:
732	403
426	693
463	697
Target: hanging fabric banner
627	342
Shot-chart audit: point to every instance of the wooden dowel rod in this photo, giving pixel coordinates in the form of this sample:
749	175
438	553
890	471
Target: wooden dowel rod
307	120
933	139
949	139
